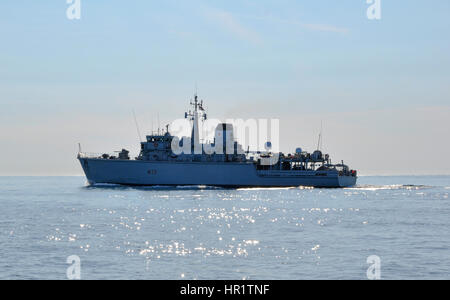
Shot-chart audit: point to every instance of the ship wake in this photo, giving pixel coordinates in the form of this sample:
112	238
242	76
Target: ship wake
368	187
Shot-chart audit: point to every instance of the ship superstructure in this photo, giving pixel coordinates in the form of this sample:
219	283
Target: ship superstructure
164	159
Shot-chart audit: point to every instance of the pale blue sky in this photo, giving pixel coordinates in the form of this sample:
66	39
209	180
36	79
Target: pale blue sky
373	83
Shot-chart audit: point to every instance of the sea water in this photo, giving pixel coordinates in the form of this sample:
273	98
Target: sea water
212	233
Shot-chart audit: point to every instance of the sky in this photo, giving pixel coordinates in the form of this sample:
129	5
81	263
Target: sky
379	87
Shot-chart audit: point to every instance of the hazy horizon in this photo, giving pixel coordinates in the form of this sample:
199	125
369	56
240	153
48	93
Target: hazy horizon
380	87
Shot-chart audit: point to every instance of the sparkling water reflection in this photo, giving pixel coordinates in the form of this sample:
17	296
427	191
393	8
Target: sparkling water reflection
212	233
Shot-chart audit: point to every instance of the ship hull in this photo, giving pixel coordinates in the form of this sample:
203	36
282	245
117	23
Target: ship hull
229	174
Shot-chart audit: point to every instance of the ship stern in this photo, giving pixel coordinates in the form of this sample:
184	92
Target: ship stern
347	181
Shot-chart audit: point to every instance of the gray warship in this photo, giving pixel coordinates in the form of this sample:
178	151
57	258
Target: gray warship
159	163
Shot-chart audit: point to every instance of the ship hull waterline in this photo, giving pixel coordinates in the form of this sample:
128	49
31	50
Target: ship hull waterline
220	174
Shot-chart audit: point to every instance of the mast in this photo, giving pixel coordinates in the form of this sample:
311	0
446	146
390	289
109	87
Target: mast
195	136
319	142
194	116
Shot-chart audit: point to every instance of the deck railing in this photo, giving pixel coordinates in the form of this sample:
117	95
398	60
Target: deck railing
93	155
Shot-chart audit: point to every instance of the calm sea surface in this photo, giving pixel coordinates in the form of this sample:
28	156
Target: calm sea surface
210	233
